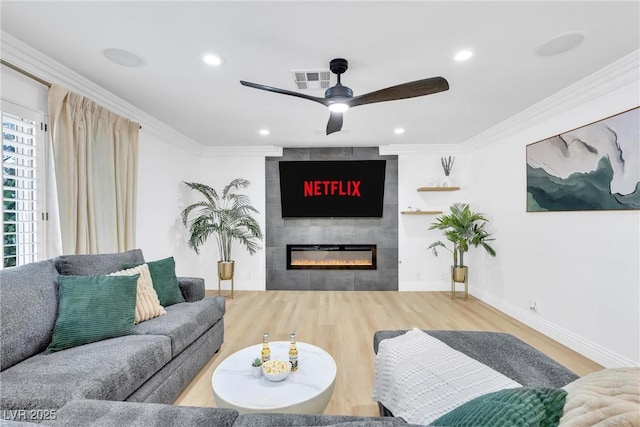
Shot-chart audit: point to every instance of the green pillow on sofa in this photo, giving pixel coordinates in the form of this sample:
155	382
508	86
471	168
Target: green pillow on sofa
165	281
93	308
527	407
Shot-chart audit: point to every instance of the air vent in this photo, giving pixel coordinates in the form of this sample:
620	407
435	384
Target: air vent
312	79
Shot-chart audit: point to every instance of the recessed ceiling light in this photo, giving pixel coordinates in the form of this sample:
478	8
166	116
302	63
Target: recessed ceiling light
398	131
123	57
560	44
463	55
212	59
264	132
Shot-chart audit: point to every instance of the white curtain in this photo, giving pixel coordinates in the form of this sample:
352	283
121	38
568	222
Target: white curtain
95	153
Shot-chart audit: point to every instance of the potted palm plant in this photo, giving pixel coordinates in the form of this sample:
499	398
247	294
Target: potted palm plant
463	228
228	216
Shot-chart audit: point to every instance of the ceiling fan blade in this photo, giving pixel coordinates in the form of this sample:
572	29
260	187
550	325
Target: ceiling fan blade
284	92
402	91
335	123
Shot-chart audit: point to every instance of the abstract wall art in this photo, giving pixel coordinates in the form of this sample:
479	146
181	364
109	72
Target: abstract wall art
594	167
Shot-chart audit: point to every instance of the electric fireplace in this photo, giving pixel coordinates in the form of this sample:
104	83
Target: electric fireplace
331	257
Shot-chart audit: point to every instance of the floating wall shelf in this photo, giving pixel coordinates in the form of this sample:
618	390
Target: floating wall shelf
421	212
438	188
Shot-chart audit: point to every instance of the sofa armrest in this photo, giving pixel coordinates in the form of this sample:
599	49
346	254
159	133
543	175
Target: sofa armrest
192	288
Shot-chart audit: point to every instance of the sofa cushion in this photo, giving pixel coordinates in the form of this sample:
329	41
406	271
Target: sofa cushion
28	307
165	281
147	303
100	413
93	308
515	407
97	264
184	322
192	288
106	370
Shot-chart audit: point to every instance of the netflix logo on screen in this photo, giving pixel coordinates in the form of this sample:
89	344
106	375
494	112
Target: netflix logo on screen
350	188
332	188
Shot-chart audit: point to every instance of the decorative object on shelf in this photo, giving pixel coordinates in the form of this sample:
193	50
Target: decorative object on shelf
588	168
256	367
464	229
447	165
228	216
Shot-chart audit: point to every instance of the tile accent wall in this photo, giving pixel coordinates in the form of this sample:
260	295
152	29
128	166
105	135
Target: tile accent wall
382	232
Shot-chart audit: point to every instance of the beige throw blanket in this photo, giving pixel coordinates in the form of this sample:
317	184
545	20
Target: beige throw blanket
420	378
607	398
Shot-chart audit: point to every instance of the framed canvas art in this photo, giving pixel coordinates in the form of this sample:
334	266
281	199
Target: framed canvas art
594	167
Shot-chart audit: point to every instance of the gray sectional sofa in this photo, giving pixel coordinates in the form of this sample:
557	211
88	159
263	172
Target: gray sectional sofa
153	365
132	380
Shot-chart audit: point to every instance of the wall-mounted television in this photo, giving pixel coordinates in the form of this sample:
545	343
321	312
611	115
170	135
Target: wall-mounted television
316	189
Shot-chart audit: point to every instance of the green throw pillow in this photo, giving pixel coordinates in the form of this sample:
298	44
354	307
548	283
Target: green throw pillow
529	407
165	281
93	308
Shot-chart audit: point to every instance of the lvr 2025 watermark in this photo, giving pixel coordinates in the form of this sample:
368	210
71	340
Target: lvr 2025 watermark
29	414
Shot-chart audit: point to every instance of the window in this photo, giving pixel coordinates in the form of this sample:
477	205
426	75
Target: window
23	215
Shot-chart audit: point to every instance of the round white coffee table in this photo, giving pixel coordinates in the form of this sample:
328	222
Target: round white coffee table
306	391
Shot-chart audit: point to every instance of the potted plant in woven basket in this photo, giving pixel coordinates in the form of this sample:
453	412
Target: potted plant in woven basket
463	228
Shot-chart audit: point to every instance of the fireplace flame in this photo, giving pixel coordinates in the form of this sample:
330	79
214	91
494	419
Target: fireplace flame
310	262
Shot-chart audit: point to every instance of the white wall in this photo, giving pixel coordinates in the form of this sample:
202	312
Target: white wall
162	196
419	166
162	166
218	167
581	268
23	90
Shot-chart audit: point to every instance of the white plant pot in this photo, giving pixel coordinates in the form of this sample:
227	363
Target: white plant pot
256	371
447	182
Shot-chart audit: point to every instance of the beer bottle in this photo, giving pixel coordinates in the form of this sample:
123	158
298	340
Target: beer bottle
293	353
266	352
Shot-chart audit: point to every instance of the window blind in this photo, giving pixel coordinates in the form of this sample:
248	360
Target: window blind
20	190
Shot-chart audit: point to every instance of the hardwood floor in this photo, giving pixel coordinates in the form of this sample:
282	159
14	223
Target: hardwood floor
343	324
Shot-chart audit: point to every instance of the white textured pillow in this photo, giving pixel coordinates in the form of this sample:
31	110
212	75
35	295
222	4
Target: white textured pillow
147	303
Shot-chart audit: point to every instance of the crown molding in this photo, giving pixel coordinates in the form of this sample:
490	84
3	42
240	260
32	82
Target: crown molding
246	150
417	149
620	74
35	62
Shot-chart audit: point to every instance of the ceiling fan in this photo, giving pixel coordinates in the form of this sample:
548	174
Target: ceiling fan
340	98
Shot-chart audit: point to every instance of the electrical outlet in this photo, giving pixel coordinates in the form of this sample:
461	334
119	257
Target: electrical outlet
533	306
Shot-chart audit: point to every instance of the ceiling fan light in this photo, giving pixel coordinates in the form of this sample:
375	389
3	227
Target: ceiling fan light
338	107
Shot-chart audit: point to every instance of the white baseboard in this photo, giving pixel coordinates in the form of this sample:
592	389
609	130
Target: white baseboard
421	285
593	351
